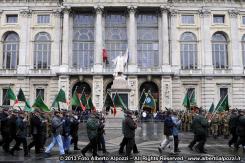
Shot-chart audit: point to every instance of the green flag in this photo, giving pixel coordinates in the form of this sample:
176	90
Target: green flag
61	97
28	107
211	109
223	105
84	100
40	104
150	102
21	96
55	104
186	102
75	100
10	94
108	101
192	99
118	102
90	104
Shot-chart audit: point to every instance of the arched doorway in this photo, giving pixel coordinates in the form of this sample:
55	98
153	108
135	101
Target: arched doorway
153	88
80	87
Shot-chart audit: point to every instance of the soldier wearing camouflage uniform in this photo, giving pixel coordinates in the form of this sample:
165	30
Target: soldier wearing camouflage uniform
214	126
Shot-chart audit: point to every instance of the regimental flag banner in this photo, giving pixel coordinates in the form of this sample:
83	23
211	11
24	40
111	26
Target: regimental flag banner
142	98
211	109
223	105
39	103
61	97
11	96
192	98
21	96
118	102
186	102
75	100
150	102
84	100
108	101
28	107
90	104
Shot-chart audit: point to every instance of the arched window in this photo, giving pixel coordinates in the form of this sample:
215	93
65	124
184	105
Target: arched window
243	50
188	51
83	40
10	50
219	50
147	40
42	51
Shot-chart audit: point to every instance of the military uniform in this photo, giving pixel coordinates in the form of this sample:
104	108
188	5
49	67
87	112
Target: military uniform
220	124
215	126
226	127
190	117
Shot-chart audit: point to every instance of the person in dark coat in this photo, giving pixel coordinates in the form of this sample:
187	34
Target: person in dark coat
21	134
129	126
36	131
240	130
200	128
168	132
4	117
74	130
44	130
101	132
124	140
92	131
232	127
66	133
12	130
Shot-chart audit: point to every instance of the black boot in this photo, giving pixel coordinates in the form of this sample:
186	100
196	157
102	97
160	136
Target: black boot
76	148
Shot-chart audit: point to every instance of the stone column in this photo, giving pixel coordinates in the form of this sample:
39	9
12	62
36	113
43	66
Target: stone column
206	48
175	58
24	53
1	44
98	92
235	53
64	84
165	40
166	92
65	40
133	94
132	39
98	39
56	48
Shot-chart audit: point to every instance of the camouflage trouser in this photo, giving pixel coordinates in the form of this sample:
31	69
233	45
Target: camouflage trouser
226	131
184	127
214	129
220	129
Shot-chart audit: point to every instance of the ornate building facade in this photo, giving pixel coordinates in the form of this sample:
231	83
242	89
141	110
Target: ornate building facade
175	47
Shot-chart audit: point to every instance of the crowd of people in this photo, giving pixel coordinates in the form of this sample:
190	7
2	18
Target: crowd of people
63	127
204	124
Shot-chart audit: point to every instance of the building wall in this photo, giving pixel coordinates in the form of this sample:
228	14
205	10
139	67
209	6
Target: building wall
171	80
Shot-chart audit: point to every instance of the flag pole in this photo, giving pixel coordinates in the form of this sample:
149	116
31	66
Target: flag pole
79	99
214	112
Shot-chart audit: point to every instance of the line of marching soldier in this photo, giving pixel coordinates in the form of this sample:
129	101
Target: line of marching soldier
18	125
220	124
